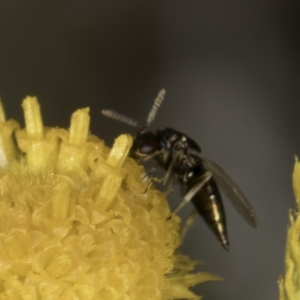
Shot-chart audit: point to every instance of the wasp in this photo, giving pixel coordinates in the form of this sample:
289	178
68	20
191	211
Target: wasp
199	177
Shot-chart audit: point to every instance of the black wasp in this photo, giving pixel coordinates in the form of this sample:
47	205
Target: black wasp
199	177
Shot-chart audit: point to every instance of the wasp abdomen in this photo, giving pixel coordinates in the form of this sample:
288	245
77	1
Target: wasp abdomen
209	205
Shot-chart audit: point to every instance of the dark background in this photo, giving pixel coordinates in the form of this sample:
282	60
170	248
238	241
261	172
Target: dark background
231	71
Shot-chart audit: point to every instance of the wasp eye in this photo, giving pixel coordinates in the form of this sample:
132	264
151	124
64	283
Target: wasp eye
144	144
148	144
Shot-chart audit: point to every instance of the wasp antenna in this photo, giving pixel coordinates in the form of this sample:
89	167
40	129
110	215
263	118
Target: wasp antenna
119	117
157	102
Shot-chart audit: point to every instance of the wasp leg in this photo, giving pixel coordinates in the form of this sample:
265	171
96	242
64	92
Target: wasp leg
146	175
193	191
168	174
148	157
189	222
148	180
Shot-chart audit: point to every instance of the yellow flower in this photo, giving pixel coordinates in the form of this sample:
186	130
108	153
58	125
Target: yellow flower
79	221
289	285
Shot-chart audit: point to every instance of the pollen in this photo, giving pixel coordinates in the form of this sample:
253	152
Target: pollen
79	221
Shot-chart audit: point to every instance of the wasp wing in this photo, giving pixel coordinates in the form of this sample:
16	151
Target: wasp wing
231	190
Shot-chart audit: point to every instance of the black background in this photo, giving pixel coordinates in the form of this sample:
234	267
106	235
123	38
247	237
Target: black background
231	71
